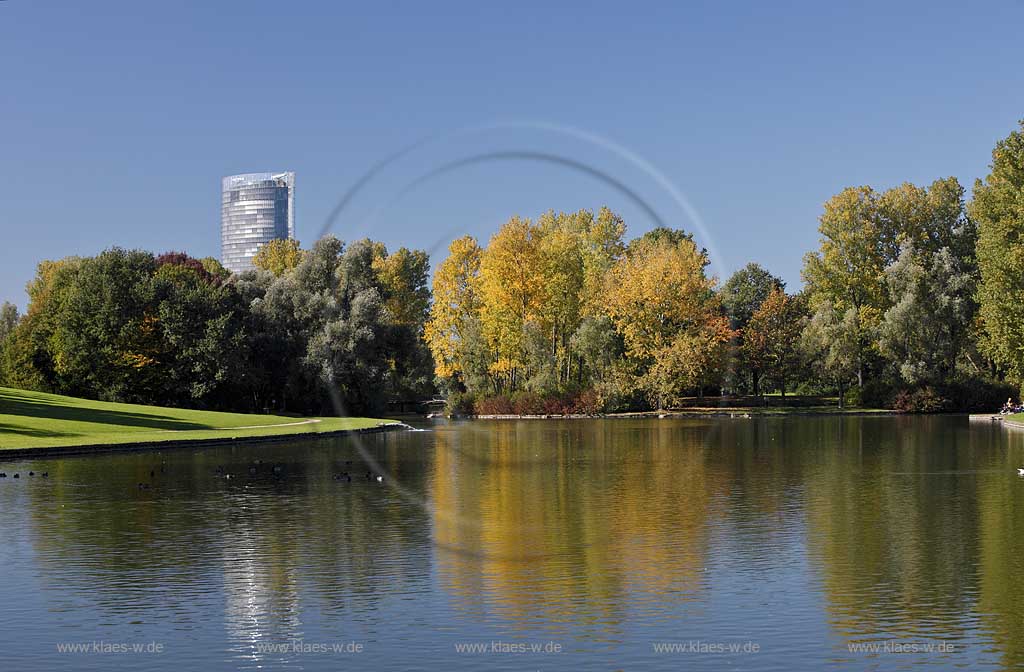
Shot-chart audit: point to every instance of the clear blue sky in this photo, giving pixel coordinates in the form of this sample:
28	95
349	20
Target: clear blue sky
118	118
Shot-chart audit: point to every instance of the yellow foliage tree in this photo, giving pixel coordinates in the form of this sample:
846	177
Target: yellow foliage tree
512	293
403	275
278	256
665	308
456	303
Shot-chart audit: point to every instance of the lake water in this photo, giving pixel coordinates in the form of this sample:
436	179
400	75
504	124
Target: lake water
760	544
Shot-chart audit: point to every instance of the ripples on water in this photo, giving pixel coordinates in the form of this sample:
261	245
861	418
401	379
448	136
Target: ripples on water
604	537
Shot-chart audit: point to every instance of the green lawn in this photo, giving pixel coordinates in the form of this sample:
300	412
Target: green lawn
37	420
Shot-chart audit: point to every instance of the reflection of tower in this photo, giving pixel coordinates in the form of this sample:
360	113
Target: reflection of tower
261	593
256	208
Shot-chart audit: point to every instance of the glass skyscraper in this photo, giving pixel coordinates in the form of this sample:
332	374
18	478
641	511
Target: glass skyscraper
256	208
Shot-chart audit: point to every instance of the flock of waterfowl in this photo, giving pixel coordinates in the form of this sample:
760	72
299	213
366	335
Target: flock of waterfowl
254	469
278	471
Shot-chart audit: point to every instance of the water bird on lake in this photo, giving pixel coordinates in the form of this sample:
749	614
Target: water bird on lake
1020	471
31	473
3	474
45	474
16	476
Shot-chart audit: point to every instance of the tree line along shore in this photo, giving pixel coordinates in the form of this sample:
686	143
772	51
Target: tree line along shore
911	302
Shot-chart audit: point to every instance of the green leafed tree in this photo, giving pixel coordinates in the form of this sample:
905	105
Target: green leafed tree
9	318
830	346
745	291
741	295
846	273
998	209
929	324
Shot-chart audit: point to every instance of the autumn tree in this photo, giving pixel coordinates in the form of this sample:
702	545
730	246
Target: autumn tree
455	310
278	256
664	306
601	246
403	276
512	294
27	359
772	336
741	296
403	280
526	312
562	276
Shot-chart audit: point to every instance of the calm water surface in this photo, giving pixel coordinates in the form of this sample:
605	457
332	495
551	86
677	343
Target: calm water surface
600	543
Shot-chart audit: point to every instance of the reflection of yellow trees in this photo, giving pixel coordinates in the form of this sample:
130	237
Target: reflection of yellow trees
562	521
912	525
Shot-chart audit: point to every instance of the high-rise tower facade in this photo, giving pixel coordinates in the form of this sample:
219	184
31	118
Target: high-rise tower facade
256	208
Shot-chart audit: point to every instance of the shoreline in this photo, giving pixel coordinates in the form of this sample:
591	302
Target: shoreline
736	413
1011	421
174	444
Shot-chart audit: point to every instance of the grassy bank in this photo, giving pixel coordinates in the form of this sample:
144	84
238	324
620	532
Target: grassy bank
1016	420
38	420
